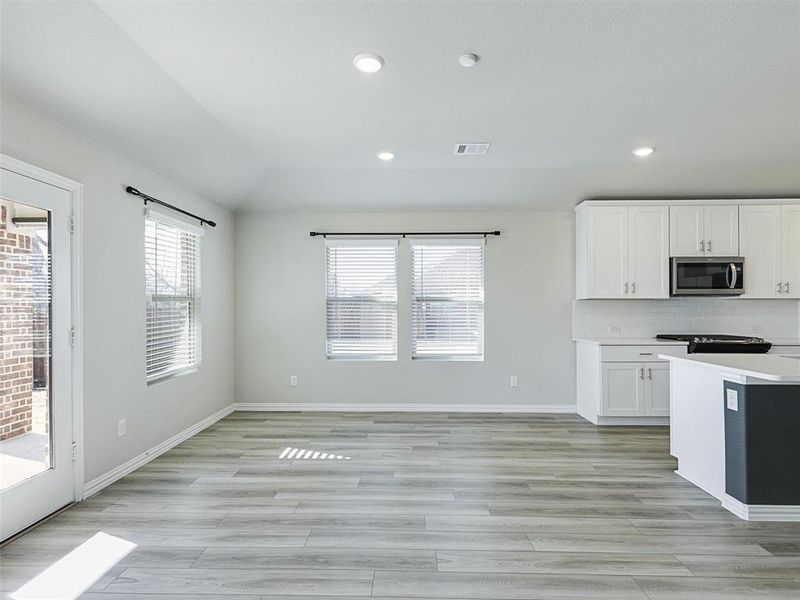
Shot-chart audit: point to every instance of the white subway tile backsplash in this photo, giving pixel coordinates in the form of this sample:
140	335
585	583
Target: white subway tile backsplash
645	318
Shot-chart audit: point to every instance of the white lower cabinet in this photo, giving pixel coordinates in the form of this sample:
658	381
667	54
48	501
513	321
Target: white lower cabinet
623	385
657	395
623	390
639	389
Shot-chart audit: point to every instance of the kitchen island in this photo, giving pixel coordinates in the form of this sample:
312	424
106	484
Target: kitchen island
735	430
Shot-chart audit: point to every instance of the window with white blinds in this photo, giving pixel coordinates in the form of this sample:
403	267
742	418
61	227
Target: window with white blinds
172	289
447	299
361	299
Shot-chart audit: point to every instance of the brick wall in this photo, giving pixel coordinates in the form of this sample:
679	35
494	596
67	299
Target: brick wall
16	331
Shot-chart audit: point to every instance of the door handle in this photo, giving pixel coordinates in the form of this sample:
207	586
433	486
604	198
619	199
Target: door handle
641	373
650	373
702	247
734	273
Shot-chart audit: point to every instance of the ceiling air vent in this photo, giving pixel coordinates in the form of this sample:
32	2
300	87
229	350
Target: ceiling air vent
473	149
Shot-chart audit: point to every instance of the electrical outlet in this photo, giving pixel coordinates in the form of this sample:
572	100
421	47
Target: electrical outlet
756	329
122	427
514	381
293	380
732	399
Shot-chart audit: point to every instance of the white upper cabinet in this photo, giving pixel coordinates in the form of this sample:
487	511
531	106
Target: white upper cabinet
790	251
623	248
760	245
697	230
623	252
686	231
607	247
721	226
648	251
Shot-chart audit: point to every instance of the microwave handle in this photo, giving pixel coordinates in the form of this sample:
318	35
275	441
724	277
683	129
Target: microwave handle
735	275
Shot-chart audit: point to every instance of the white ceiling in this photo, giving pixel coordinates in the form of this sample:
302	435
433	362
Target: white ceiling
257	104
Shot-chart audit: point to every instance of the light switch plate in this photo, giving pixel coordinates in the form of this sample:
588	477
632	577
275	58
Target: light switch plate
122	428
732	400
293	380
514	381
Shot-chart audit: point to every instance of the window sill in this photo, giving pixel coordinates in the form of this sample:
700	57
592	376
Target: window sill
449	358
173	374
362	358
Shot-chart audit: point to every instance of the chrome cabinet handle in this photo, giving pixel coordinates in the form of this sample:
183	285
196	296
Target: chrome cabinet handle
641	373
702	246
708	246
786	286
633	288
626	287
778	288
650	373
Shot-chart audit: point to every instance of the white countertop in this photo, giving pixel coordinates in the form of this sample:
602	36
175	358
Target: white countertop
629	341
784	341
770	367
651	341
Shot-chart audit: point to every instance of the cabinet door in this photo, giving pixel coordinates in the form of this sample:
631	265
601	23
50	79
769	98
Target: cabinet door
790	252
760	245
657	396
721	225
686	230
648	271
608	252
623	389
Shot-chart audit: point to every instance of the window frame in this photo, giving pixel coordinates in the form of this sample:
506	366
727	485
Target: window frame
393	243
466	242
193	300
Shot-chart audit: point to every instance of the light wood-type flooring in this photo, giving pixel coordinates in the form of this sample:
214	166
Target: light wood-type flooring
456	506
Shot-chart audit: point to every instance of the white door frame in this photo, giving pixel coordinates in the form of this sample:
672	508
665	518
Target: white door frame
75	190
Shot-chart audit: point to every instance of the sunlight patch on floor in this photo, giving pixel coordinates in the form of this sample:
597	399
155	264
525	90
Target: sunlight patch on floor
302	454
71	576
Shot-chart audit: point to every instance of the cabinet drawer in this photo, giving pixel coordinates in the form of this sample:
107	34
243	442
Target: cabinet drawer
638	353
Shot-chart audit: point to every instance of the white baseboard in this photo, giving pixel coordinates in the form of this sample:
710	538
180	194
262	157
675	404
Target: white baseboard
98	483
761	512
634	421
380	407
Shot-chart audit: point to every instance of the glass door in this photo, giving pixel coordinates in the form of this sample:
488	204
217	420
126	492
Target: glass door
36	462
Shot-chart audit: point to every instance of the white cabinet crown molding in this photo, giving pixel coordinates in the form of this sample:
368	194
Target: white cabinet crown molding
687	201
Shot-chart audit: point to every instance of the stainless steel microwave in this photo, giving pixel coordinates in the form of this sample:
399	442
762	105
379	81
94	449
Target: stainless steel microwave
707	276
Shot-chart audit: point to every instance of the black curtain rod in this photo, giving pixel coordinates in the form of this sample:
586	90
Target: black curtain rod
146	198
405	233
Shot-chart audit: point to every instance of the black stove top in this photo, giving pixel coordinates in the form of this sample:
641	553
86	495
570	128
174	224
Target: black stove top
719	343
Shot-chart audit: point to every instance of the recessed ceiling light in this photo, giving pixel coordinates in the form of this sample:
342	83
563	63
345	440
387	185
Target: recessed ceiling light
368	63
643	151
468	60
385	155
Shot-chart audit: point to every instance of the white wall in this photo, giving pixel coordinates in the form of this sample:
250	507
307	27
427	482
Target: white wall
114	312
281	314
